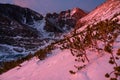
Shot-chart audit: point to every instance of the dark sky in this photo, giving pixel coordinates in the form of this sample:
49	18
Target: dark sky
44	6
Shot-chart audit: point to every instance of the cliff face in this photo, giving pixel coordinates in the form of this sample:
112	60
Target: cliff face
17	34
63	21
19	14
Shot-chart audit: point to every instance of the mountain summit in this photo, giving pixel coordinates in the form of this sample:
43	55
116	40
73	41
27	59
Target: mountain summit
105	11
77	13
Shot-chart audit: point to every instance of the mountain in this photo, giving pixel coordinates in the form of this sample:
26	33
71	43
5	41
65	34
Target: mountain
16	34
77	13
23	31
63	21
19	14
105	11
61	64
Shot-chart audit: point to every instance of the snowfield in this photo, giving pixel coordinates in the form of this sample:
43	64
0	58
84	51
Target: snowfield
58	65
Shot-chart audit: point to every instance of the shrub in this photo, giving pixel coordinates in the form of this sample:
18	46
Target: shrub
106	32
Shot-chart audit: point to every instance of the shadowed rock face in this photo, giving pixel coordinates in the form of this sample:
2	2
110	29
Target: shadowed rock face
63	21
11	28
15	29
19	14
18	33
15	21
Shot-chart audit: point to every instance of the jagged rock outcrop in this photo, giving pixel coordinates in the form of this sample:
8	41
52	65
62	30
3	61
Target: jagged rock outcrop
77	13
63	21
23	30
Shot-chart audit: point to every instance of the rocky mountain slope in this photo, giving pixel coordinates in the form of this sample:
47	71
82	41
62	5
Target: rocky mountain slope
23	30
58	65
105	11
16	36
63	21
